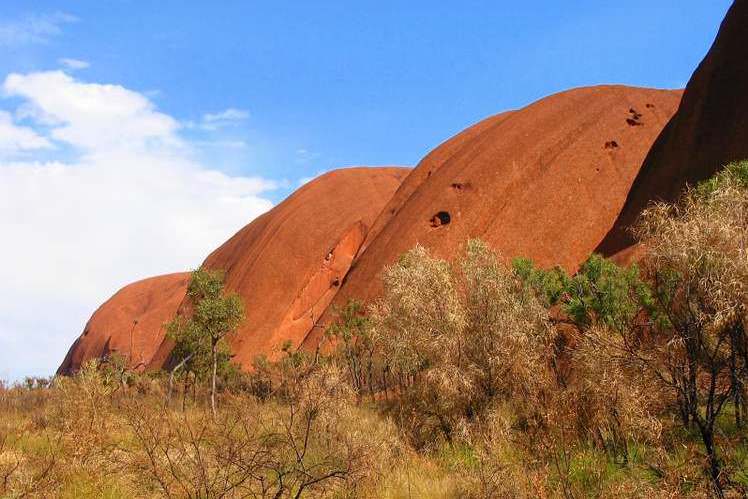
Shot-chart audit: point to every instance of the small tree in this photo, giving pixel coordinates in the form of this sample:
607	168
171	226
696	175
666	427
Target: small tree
199	339
461	338
698	262
600	293
602	392
352	337
683	327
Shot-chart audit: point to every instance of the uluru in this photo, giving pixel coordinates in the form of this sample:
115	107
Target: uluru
544	182
553	181
288	264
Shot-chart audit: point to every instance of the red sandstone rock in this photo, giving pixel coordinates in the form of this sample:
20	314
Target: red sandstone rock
546	182
288	264
139	312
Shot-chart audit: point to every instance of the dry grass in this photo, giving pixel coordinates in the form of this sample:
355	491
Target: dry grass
90	437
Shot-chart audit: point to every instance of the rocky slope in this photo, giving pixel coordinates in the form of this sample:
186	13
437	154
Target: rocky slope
546	182
137	312
288	264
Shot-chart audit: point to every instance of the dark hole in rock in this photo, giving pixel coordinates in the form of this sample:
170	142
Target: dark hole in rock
336	282
441	218
632	122
650	106
635	114
459	186
612	144
429	173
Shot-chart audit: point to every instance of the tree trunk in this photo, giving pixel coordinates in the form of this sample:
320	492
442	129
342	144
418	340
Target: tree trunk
707	435
734	381
685	416
173	372
184	394
738	405
740	408
213	383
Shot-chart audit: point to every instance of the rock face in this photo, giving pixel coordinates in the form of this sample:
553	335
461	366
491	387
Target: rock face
139	312
709	129
546	182
554	181
288	264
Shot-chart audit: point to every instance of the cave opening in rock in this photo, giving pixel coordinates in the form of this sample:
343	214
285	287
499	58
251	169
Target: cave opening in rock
441	218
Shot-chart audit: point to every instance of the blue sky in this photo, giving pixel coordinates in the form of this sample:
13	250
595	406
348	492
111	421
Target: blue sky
365	82
138	135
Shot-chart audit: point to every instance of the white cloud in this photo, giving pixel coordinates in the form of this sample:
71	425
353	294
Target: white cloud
136	203
33	28
93	116
14	139
73	64
229	114
215	121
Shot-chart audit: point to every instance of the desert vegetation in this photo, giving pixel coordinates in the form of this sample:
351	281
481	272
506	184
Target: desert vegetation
476	377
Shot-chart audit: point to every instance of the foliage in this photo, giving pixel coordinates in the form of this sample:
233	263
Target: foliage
698	263
213	316
550	285
600	292
214	312
351	334
458	338
193	347
86	436
682	326
199	338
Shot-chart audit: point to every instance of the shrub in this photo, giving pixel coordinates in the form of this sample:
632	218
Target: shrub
457	338
317	443
698	262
